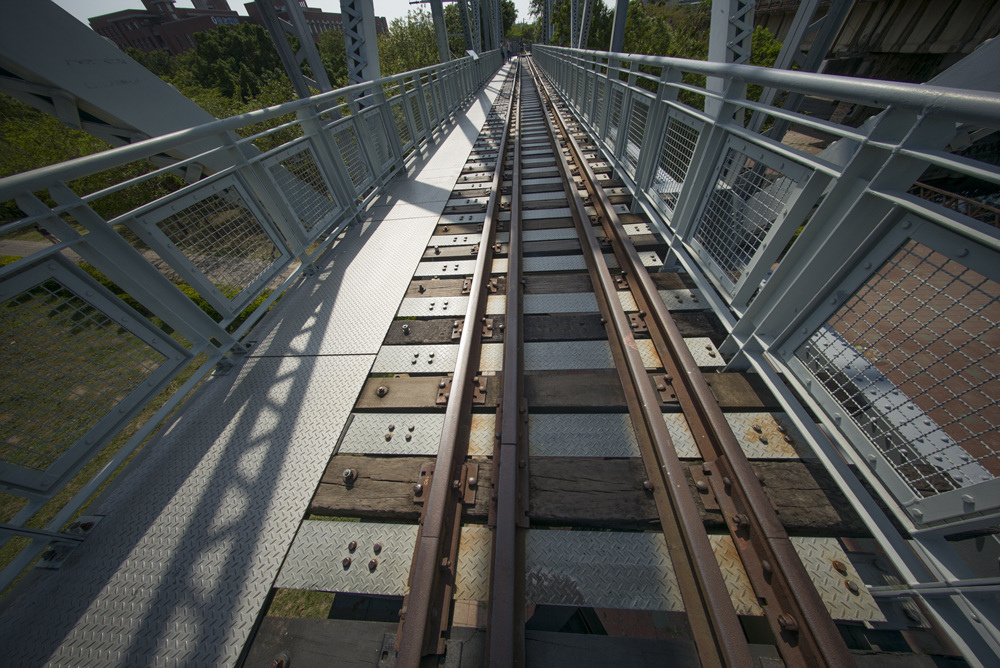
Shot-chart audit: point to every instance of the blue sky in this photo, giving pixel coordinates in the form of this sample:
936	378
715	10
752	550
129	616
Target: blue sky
84	9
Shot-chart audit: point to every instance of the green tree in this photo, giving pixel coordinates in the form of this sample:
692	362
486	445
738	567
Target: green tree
508	14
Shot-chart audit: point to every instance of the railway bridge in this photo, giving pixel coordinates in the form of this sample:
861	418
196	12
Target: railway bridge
572	358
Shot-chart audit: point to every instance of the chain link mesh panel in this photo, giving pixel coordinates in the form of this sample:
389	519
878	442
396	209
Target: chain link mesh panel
224	240
747	199
304	188
675	159
66	366
912	359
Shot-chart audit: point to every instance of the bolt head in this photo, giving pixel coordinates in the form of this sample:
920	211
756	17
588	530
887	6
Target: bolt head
350	475
418	489
382	391
346	563
647	485
852	586
376	548
353	545
473	481
788	623
373	564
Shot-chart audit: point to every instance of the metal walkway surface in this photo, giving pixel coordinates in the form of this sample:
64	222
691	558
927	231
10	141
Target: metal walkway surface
191	541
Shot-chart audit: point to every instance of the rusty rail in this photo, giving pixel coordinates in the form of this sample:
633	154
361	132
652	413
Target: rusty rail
803	629
426	608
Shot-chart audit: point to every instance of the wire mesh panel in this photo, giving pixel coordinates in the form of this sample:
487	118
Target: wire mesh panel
217	233
912	358
383	153
70	359
418	120
588	89
599	86
303	186
746	200
633	138
429	99
679	140
402	127
350	150
614	120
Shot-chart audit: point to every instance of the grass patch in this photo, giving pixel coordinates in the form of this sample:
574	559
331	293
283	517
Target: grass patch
300	603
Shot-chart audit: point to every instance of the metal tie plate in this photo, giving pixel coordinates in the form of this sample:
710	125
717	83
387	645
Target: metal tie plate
393	434
581	435
838	582
566	302
547	263
550	235
431	268
416	359
704	351
560	355
315	560
682	300
414	307
454	240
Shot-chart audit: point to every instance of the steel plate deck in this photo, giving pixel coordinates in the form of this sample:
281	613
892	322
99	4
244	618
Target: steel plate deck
704	351
564	355
315	558
416	359
767	443
193	537
482	434
565	302
581	435
393	434
559	263
682	300
413	307
818	556
454	240
549	235
432	268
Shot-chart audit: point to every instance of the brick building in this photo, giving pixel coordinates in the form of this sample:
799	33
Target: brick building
162	26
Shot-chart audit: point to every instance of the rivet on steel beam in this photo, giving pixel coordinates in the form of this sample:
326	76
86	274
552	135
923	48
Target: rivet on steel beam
382	391
376	548
346	562
763	439
788	623
418	489
409	437
353	545
350	475
373	564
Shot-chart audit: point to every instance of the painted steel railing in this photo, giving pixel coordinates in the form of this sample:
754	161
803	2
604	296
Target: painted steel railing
119	289
855	299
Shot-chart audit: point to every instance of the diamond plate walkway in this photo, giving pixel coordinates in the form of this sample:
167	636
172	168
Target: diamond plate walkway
192	539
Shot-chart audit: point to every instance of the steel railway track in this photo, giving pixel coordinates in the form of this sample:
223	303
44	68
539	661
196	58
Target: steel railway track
543	443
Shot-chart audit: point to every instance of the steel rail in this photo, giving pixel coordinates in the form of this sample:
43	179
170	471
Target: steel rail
428	599
718	634
505	621
801	624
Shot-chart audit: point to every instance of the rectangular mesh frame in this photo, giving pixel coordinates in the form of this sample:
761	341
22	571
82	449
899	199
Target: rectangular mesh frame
304	187
747	199
418	119
633	138
679	140
615	115
379	139
599	86
912	359
221	235
402	127
354	158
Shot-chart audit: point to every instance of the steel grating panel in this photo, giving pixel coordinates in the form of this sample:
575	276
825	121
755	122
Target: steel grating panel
581	435
315	560
491	357
843	591
550	235
568	302
472	569
682	300
433	268
321	317
414	307
393	434
627	300
499	266
562	355
737	582
416	359
482	434
704	351
193	538
601	569
454	240
496	304
553	263
647	351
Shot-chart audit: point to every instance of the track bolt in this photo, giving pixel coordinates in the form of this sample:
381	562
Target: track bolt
706	468
647	485
421	289
350	475
388	437
782	429
353	545
757	428
346	563
765	566
740	520
852	586
763	439
382	391
392	427
441	385
373	564
445	564
788	623
702	486
727	482
642	314
522	464
406	329
473	481
418	489
840	566
376	548
409	437
456	485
